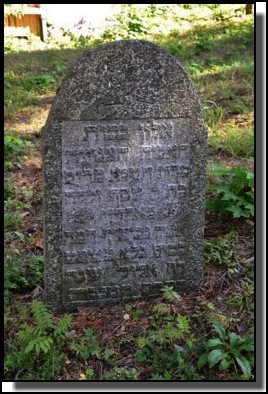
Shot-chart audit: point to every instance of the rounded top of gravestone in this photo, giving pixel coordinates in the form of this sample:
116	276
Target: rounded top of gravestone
130	79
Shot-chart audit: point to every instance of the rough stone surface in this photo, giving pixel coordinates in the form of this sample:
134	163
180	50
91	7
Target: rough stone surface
124	156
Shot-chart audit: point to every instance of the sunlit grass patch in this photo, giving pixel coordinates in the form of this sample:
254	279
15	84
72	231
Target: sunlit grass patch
232	139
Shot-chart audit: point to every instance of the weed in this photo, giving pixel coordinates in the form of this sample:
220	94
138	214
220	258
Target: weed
232	191
222	251
19	275
120	373
34	270
13	278
195	68
164	376
131	22
40	83
228	350
175	363
160	309
212	114
203	42
11	221
60	67
9	190
214	314
176	49
167	346
238	107
89	375
13	146
87	346
244	299
135	313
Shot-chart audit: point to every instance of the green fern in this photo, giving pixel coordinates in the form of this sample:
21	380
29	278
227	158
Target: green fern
42	317
169	294
39	344
183	324
26	333
37	353
170	333
62	326
160	309
41	336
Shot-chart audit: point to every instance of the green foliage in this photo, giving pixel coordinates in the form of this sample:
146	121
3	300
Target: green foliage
167	346
134	313
222	251
20	275
243	299
130	23
34	270
11	221
183	324
23	90
160	309
227	350
13	278
203	42
13	147
45	332
231	190
88	376
212	113
87	346
232	141
37	352
176	49
169	294
9	190
9	45
214	314
13	9
167	363
40	83
120	373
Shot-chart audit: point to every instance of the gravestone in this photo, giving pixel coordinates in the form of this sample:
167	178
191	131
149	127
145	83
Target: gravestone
124	156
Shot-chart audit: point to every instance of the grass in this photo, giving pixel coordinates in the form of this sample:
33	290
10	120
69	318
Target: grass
165	338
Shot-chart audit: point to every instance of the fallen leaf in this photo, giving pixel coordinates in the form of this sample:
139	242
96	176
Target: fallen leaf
38	242
23	214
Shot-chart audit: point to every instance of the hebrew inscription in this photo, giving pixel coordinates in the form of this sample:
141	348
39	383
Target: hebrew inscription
122	181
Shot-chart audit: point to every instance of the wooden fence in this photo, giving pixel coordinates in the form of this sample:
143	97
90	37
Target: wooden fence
32	21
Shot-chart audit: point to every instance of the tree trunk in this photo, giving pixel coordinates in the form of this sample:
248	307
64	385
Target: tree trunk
249	8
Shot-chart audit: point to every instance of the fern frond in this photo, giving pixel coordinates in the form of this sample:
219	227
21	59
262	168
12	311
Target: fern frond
42	316
40	343
183	324
26	333
160	309
169	294
62	326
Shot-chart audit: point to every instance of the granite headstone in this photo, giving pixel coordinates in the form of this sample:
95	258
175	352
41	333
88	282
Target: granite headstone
124	157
